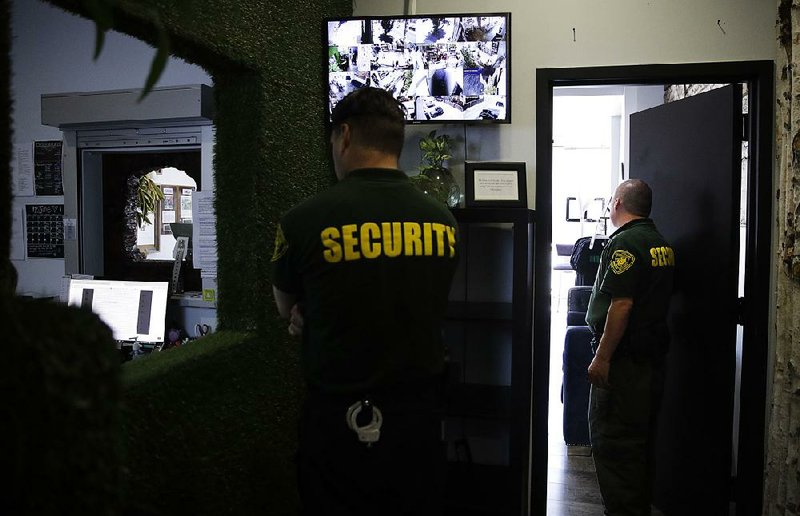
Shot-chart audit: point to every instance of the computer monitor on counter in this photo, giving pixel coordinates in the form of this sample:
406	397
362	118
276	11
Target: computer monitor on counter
134	310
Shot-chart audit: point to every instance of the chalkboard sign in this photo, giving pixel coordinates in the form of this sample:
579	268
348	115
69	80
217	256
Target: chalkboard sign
47	168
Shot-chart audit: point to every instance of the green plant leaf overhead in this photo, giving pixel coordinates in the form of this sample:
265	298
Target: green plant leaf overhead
102	12
159	63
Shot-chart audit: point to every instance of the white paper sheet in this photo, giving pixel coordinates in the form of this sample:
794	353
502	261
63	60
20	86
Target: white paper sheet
17	234
204	234
22	166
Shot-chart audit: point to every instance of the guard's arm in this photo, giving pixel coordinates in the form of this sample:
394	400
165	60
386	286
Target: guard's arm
284	301
289	308
619	313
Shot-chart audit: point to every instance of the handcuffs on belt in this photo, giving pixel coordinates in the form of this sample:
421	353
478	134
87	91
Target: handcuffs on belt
371	432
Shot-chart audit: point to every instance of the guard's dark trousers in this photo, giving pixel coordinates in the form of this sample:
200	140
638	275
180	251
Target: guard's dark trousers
402	474
622	424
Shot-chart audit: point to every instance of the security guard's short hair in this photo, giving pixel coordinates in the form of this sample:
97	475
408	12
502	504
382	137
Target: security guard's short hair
636	196
375	117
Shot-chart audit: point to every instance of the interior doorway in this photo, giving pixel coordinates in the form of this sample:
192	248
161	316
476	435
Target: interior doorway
758	77
591	143
588	160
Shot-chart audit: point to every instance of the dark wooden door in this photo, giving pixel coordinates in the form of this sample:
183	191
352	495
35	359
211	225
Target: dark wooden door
689	151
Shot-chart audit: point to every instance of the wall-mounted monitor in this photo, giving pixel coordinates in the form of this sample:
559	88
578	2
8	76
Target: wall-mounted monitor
444	68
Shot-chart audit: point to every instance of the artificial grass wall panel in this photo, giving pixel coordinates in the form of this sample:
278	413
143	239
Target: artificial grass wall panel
211	427
239	101
60	433
266	59
5	147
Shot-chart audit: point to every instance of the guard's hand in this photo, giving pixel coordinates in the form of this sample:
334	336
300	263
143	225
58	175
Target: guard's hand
598	372
296	321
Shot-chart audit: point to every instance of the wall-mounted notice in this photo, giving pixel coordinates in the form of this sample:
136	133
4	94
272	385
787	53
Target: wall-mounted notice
44	224
17	234
204	234
22	168
47	167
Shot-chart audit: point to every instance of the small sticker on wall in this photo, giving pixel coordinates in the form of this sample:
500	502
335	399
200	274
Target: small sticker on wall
70	229
209	295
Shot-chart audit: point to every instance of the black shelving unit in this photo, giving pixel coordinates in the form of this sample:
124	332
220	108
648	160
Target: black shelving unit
488	333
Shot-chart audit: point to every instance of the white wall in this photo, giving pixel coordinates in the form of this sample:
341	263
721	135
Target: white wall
51	52
613	32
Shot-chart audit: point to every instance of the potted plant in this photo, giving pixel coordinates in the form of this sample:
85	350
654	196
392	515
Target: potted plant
434	177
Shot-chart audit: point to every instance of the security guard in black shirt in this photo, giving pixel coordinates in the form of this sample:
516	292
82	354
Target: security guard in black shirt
363	272
627	315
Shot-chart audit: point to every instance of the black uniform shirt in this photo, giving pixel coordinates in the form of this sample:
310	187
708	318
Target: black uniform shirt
371	260
636	263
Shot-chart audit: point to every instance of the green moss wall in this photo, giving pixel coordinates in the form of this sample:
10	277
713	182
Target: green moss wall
266	60
60	445
207	432
5	145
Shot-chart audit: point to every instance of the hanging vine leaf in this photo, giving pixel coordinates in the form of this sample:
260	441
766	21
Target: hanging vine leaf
102	12
99	39
159	62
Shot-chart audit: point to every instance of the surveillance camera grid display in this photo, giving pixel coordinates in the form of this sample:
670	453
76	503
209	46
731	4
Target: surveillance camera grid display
440	69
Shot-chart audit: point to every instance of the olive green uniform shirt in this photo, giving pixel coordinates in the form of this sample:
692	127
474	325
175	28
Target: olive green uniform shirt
636	263
371	260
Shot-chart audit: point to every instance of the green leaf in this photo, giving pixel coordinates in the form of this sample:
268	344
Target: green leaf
102	12
99	39
159	63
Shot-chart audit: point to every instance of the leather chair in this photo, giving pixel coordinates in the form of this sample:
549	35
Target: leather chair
575	361
562	267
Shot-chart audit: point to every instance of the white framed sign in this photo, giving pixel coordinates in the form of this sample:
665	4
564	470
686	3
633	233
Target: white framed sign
495	184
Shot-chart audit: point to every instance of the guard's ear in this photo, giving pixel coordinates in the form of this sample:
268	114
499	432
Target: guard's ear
345	136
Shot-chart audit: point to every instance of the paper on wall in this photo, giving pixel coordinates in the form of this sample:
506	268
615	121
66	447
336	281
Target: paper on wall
204	234
22	166
17	234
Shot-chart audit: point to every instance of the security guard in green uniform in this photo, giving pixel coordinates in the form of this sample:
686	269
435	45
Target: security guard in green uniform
363	272
627	315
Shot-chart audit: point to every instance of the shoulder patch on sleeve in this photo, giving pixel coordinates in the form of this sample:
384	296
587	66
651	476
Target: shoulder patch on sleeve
281	245
621	261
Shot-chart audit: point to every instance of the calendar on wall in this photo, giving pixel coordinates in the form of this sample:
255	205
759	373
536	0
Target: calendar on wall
44	228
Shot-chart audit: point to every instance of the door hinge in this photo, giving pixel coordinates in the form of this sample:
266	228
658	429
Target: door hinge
740	306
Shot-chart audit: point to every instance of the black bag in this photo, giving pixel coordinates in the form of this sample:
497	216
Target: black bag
585	260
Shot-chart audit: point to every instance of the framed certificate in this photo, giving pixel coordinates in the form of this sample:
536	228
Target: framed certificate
494	184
